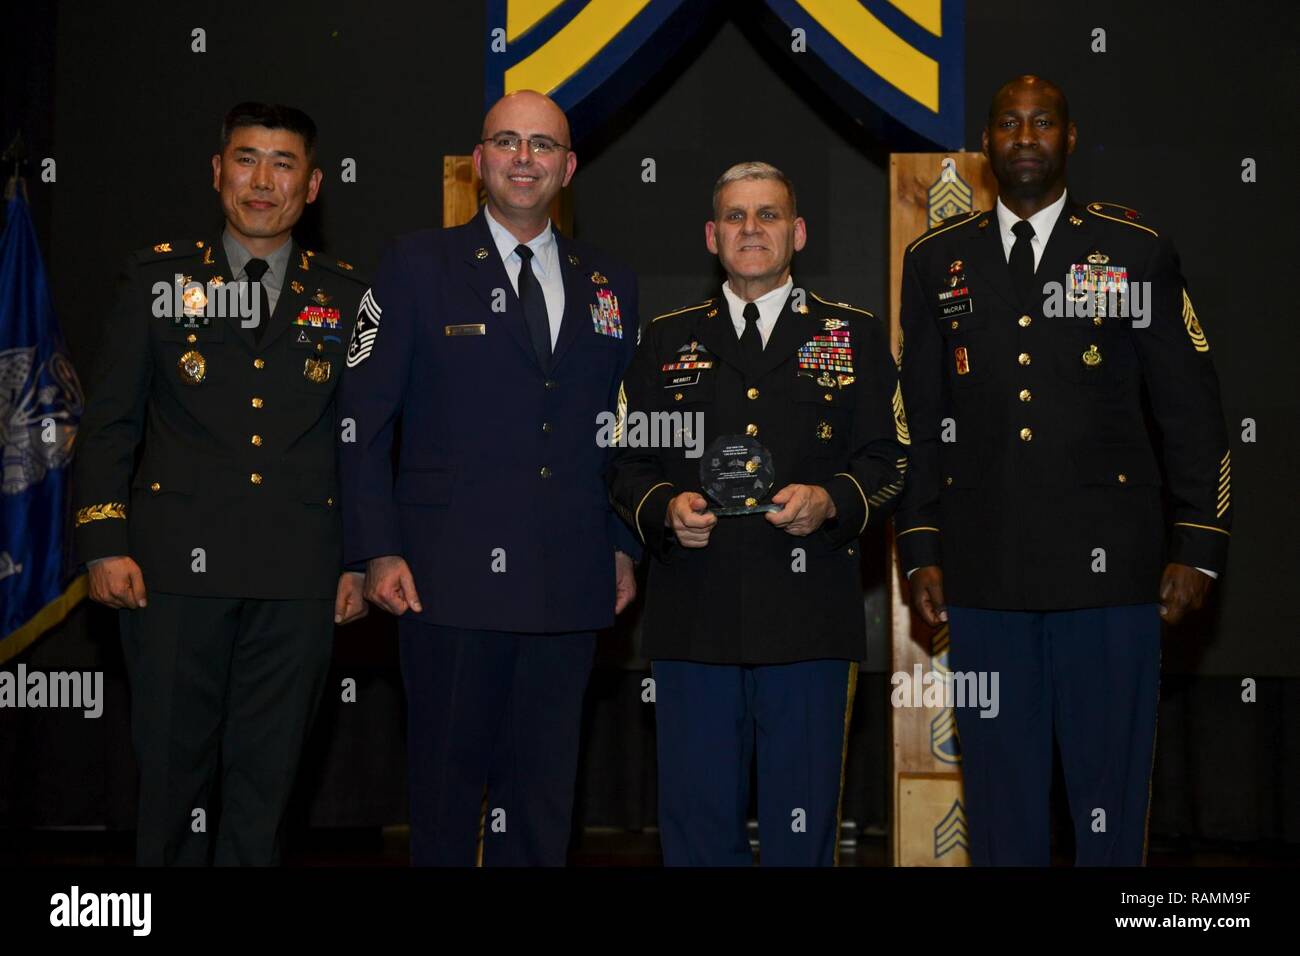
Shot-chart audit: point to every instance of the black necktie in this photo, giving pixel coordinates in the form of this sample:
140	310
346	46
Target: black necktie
534	303
751	343
255	269
1022	264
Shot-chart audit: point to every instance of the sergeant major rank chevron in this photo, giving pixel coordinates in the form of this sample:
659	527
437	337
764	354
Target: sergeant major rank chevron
365	330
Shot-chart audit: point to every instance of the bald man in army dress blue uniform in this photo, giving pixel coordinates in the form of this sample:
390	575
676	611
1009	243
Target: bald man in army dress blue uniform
1032	522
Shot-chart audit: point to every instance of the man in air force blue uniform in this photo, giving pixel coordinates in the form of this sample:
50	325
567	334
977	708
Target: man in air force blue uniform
496	345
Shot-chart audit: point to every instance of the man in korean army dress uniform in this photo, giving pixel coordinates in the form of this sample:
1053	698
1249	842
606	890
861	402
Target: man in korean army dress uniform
222	547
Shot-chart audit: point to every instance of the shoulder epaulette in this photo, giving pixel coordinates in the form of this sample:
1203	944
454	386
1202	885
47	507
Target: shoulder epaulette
689	308
1117	213
950	223
842	305
170	250
337	266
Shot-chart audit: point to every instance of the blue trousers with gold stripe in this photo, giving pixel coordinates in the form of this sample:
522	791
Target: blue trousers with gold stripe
712	720
1089	678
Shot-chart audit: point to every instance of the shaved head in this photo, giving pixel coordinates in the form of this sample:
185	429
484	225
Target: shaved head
527	112
1029	82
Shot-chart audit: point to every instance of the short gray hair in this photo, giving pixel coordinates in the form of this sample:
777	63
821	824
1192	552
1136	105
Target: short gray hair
753	170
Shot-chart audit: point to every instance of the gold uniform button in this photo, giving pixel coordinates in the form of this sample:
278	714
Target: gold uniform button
752	393
1025	321
191	338
1026	395
956	324
829	397
1121	477
155	487
255	478
678	396
259	363
256	440
1026	434
1023	358
329	502
545	472
258	403
751	430
1096	320
546	427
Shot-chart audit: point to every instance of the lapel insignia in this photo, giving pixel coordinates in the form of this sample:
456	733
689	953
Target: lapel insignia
480	254
711	313
320	298
605	316
802	308
207	256
1076	221
303	263
955	267
599	279
982	224
573	260
218	280
296	286
962	360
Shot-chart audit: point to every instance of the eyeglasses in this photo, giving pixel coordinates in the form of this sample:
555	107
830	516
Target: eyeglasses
539	145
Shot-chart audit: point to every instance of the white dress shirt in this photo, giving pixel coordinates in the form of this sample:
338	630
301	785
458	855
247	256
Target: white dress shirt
769	308
546	267
1043	221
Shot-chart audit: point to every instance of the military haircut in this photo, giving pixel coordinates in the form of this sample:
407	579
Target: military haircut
753	170
272	116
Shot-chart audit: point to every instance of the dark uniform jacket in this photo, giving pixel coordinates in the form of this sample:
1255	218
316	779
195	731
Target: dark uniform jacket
749	596
1035	483
239	438
499	504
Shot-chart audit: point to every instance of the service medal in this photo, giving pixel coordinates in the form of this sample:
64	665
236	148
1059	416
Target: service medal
193	366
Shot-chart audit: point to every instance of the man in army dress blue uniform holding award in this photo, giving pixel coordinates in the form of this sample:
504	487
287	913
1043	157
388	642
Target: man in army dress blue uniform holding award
495	347
786	439
223	547
1032	521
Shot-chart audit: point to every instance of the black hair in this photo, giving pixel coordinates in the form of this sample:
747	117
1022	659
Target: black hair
272	116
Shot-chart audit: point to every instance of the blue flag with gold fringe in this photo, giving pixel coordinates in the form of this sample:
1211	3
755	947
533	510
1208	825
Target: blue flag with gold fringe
40	407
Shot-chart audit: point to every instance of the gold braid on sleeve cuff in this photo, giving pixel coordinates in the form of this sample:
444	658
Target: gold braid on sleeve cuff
111	509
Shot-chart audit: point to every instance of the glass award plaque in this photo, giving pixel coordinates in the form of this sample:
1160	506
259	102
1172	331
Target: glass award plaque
736	473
